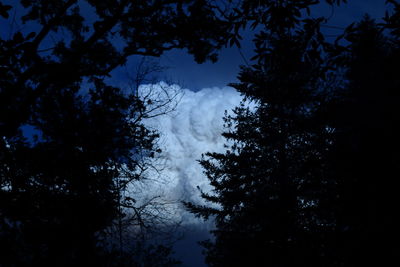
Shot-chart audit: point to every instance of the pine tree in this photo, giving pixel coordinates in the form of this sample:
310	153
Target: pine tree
364	157
309	175
271	196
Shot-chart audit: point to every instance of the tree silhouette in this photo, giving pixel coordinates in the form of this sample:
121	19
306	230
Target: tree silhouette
364	157
271	195
308	178
70	139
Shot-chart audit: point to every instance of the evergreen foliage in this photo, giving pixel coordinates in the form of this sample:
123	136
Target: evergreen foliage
308	178
363	159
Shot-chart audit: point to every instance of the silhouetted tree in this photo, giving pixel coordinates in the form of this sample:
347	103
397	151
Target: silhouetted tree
309	177
70	140
271	193
364	160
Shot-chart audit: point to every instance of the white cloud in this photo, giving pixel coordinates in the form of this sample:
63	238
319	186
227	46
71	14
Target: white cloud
193	128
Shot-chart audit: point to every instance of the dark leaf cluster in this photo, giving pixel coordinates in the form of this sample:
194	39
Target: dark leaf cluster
309	175
71	141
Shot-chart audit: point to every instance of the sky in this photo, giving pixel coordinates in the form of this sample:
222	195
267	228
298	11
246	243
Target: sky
196	125
196	128
183	70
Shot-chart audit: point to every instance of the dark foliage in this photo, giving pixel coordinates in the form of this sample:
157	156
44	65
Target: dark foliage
364	159
70	141
309	175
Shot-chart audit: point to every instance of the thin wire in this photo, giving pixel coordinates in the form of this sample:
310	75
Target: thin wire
243	57
332	12
333	27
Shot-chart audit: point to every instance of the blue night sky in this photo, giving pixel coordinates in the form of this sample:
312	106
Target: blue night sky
184	71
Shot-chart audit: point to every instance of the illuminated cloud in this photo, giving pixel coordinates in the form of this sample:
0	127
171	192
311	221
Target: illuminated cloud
193	128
